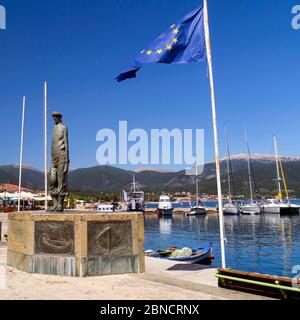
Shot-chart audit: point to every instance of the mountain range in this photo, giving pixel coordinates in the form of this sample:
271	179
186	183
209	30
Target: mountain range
113	179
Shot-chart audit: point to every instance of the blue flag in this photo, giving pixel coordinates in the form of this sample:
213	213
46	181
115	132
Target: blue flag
183	42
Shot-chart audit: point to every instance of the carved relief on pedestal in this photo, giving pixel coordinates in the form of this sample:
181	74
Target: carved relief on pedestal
114	238
54	238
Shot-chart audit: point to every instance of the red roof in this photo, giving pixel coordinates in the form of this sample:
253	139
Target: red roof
12	188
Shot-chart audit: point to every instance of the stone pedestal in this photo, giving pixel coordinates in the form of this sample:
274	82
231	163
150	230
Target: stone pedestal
76	243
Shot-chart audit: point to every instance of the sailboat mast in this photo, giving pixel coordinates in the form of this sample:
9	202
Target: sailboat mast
228	167
277	166
133	183
197	191
249	168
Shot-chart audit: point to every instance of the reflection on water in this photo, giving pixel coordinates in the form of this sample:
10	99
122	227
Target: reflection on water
261	243
165	226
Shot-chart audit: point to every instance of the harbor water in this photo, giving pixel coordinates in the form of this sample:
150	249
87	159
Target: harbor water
266	243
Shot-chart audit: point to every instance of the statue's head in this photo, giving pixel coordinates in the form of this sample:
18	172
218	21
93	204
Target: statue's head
57	117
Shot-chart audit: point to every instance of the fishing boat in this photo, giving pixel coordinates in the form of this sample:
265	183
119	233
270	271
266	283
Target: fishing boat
165	207
134	199
251	207
260	284
201	255
198	209
230	208
278	205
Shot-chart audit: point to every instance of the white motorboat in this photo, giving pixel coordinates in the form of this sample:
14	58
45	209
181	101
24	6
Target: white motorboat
165	207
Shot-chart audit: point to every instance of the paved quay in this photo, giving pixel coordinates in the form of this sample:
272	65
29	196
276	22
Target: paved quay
163	280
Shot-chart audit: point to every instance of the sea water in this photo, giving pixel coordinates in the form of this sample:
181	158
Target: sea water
266	243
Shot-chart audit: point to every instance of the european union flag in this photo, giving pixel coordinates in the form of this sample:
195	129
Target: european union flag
183	42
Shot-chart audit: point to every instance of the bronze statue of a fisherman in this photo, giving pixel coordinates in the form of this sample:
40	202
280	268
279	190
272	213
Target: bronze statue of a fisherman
59	163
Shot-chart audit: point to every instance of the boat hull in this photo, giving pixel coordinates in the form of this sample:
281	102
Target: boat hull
282	210
289	211
205	257
231	211
165	212
196	211
250	208
267	209
259	284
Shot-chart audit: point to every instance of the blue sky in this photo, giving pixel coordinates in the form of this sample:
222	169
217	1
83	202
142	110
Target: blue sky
80	46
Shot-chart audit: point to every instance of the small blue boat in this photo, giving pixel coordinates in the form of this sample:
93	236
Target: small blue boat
201	255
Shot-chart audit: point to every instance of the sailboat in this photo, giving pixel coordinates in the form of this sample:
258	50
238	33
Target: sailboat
197	209
277	205
229	208
252	207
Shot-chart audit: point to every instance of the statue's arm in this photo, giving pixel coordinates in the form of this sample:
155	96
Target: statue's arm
67	149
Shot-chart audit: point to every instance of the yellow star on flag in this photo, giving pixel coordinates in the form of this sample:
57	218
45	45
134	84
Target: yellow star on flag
176	31
159	51
169	47
149	52
175	40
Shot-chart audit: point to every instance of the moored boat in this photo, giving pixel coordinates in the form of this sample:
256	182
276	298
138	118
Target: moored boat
252	207
260	284
278	205
165	207
202	255
135	199
196	211
105	208
231	209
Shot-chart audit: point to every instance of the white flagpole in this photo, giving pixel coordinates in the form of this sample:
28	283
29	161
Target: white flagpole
46	144
21	153
214	116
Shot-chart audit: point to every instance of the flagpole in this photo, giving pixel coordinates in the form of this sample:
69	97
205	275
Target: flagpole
46	144
214	116
21	154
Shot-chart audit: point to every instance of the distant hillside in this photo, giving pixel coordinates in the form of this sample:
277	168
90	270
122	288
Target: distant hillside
112	179
32	178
